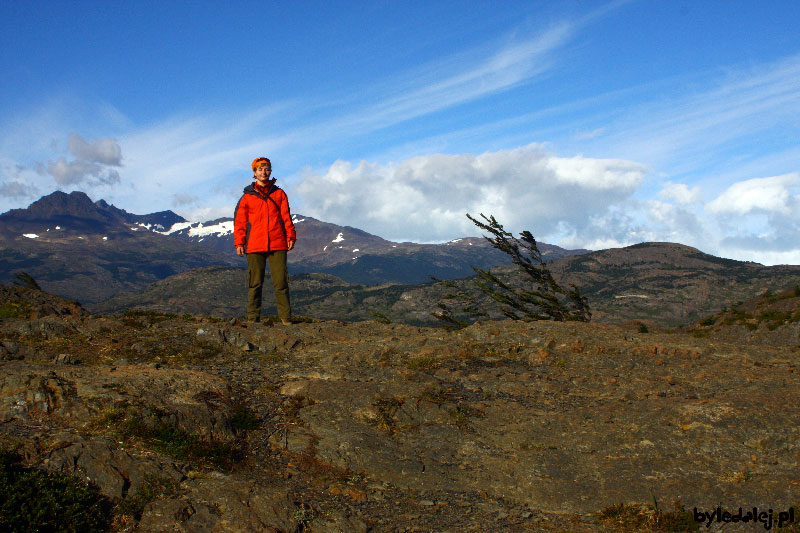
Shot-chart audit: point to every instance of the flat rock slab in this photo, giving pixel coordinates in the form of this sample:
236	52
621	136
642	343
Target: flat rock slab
600	417
73	396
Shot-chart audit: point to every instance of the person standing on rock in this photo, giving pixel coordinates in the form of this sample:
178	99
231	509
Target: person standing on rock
263	229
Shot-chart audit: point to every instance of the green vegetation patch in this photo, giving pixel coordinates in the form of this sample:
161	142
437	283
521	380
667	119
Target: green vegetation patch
152	316
633	517
244	419
423	363
34	500
708	321
180	445
14	310
141	318
152	488
173	442
386	409
775	319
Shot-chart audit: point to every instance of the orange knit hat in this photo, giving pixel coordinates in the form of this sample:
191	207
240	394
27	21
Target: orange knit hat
258	161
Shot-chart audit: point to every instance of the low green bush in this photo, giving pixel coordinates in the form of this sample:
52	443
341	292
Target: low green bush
34	500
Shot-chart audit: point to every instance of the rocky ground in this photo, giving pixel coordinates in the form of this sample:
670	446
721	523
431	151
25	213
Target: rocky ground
190	423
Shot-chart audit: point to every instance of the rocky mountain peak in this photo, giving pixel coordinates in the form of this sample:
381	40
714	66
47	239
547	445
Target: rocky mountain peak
75	204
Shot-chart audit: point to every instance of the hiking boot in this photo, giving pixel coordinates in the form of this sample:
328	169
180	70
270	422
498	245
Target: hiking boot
286	321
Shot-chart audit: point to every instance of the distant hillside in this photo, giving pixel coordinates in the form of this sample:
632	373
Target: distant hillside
660	284
668	284
771	318
221	291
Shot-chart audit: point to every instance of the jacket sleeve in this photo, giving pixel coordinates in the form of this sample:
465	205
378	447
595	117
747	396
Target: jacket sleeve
240	222
286	215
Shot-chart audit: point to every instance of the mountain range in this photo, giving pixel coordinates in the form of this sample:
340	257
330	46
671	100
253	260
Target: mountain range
359	257
91	251
112	260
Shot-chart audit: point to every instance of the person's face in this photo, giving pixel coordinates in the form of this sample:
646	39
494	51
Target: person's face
263	173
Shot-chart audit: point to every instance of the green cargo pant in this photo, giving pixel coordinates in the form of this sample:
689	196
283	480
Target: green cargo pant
256	265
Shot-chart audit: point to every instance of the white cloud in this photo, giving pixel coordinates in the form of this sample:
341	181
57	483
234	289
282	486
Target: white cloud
427	197
764	195
681	194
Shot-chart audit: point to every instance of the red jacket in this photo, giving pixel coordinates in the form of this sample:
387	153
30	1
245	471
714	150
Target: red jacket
262	221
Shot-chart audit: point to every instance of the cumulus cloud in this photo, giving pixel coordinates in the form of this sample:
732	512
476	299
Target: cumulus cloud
760	217
426	197
183	199
103	151
681	194
93	161
759	195
14	184
78	171
16	189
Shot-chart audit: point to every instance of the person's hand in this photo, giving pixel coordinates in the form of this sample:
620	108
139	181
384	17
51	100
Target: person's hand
291	244
240	251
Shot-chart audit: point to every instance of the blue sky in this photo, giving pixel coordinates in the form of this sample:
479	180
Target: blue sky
591	124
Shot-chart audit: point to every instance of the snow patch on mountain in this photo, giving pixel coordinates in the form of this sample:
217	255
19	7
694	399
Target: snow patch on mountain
158	228
219	229
178	227
339	238
200	229
30	235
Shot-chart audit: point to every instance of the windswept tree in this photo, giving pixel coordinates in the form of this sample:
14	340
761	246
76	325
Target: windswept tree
539	297
26	280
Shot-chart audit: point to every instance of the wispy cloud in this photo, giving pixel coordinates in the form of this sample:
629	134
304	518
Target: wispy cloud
443	84
499	70
687	129
205	152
